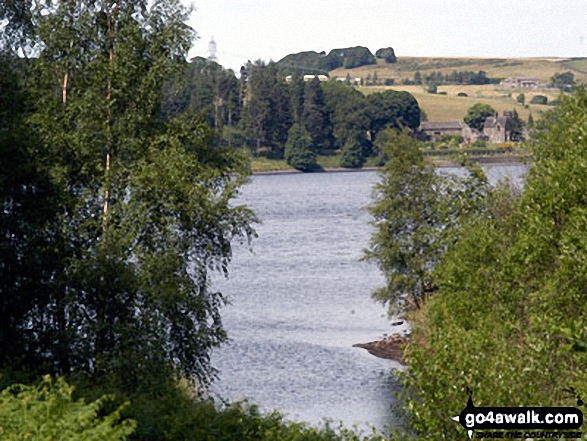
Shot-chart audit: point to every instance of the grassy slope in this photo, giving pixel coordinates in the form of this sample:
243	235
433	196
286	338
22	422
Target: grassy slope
405	67
450	107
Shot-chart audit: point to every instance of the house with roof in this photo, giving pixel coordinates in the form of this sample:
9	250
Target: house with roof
520	83
499	128
434	130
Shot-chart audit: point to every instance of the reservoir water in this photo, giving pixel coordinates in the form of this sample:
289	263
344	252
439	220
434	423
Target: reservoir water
302	298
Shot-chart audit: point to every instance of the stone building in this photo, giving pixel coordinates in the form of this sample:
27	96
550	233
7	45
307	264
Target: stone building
520	83
434	130
499	128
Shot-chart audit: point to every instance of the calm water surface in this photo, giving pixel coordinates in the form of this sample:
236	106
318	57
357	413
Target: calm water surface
301	299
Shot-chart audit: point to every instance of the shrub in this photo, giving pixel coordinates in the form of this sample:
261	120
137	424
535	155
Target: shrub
352	154
47	412
539	99
299	150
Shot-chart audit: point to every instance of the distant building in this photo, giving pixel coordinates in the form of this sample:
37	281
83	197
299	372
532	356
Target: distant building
520	83
471	135
499	128
436	129
308	78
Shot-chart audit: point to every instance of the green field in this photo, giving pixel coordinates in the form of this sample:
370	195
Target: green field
451	107
405	67
262	164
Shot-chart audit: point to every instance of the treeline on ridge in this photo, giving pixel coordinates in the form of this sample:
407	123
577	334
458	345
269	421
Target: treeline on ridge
311	62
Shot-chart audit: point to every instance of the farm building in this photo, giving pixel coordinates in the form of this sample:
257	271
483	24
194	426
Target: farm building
520	83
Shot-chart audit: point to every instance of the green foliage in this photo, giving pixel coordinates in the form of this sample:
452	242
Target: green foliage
134	211
509	318
352	57
539	99
432	88
311	62
398	109
267	115
517	127
315	116
352	154
530	120
477	114
300	153
564	81
205	88
521	98
48	412
417	214
387	54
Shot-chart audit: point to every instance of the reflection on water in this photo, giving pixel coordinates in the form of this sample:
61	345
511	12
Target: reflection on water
302	299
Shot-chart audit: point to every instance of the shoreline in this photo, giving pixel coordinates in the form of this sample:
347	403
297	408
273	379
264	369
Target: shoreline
498	160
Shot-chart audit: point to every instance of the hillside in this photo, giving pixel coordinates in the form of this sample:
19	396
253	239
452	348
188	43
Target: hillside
406	67
440	107
451	107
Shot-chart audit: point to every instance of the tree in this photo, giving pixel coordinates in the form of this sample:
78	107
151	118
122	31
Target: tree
564	81
207	88
299	151
417	214
352	154
418	78
315	116
267	114
346	109
523	260
388	54
139	213
539	99
297	88
350	57
517	127
477	114
530	120
432	88
521	99
398	109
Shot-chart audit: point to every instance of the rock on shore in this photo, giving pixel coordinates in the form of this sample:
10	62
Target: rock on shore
391	347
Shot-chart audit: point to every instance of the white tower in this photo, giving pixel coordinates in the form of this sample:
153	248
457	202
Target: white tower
212	50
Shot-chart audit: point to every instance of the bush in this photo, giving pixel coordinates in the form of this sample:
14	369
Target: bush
431	88
299	150
508	320
479	144
352	154
388	54
539	99
477	114
48	412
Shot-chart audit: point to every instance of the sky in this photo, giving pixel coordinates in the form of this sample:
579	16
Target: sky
271	29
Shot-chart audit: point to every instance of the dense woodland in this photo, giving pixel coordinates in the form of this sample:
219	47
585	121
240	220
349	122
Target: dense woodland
119	175
257	111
